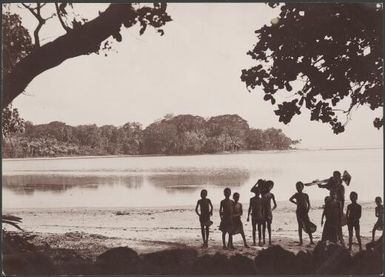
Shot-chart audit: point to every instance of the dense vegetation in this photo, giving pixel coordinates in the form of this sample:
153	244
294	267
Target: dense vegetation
182	134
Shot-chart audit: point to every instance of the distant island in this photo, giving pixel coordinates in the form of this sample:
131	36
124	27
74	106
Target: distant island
171	135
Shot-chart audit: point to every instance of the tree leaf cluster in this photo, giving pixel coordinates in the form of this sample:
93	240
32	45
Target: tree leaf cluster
11	122
16	41
323	57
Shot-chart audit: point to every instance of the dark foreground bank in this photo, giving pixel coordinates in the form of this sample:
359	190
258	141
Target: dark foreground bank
22	257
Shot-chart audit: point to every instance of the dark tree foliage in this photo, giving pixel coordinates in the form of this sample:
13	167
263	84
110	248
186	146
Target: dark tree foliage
11	125
17	45
228	132
181	134
16	41
326	58
160	138
11	122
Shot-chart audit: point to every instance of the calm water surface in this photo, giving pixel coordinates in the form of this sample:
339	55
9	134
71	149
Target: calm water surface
177	180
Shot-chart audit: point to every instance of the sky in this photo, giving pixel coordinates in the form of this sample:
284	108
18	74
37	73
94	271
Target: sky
194	68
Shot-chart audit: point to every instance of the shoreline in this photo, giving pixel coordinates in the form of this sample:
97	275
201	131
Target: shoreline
148	155
183	155
316	204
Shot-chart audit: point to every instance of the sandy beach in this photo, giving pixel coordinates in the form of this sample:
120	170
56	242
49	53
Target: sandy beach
92	231
168	241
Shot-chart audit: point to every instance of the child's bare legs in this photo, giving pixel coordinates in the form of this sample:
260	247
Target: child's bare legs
357	229
203	233
374	233
207	235
254	233
350	229
300	233
269	231
244	240
224	240
311	238
264	231
259	234
230	245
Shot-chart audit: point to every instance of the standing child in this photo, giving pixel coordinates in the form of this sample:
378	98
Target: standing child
267	197
332	212
303	206
353	215
237	223
206	210
379	212
226	213
255	208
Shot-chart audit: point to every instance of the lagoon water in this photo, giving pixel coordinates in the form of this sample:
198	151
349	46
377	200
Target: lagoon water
165	181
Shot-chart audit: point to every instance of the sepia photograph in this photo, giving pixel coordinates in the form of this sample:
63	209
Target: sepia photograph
192	138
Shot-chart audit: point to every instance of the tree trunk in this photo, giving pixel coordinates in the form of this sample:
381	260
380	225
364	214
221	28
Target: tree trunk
82	40
11	148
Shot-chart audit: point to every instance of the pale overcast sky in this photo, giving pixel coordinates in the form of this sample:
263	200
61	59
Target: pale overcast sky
194	68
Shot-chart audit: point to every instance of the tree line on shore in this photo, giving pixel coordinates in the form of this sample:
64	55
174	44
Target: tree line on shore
171	135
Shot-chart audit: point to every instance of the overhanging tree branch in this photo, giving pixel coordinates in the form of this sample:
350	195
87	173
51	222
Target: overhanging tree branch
83	40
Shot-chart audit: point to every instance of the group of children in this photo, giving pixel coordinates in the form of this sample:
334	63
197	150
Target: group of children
260	209
230	212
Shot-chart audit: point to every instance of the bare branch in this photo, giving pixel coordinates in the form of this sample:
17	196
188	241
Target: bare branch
49	17
65	27
36	13
83	41
32	10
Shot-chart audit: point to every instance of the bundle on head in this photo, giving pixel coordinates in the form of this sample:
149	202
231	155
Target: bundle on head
263	186
256	188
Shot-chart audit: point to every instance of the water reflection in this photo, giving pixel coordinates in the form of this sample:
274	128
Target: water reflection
28	184
169	181
181	189
195	180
